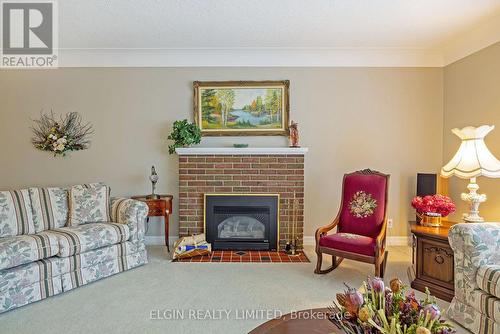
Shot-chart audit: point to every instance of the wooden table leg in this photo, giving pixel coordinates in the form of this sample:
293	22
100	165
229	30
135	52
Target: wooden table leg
166	230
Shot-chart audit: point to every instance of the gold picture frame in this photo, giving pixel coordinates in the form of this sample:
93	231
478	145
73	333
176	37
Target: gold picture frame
242	108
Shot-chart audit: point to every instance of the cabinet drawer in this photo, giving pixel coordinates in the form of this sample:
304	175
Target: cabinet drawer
436	262
156	211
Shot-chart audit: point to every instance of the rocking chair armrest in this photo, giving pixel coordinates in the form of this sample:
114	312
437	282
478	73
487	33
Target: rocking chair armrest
324	229
382	236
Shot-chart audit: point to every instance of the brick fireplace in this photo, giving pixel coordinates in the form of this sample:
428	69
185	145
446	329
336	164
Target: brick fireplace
241	171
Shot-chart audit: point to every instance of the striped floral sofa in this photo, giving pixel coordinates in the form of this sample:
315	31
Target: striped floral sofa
40	256
476	304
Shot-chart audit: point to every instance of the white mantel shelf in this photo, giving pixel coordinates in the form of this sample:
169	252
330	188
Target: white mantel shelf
241	151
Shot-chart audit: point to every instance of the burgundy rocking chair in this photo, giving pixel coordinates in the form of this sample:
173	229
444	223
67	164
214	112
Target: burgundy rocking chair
361	223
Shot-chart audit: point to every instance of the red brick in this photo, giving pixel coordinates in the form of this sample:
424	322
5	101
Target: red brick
215	159
260	177
205	177
232	171
196	159
241	177
294	166
241	165
241	189
249	171
287	160
196	171
271	159
223	189
224	165
197	183
205	165
277	166
187	177
232	159
249	159
231	183
214	183
223	177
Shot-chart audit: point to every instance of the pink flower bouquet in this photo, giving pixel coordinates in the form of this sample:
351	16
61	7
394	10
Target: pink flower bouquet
434	205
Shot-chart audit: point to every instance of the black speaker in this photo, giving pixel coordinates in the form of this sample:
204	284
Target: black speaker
427	184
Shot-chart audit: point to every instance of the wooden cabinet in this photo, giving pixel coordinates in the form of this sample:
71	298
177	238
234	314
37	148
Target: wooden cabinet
432	260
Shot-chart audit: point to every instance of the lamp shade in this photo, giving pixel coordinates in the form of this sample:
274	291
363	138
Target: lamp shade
473	157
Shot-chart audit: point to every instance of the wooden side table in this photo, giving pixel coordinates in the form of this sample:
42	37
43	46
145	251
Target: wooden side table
433	261
161	207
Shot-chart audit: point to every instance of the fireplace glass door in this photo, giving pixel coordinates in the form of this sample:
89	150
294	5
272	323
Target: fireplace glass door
241	222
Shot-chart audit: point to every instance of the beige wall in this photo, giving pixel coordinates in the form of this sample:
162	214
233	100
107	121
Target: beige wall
472	97
388	119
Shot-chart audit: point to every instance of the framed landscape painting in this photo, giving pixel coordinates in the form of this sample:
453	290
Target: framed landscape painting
242	108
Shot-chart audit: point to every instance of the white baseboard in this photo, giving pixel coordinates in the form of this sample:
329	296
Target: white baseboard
308	240
391	241
157	240
398	241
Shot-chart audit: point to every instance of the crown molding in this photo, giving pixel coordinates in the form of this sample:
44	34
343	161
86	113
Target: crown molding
471	41
251	57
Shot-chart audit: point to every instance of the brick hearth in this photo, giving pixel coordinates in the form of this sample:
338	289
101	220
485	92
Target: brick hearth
240	173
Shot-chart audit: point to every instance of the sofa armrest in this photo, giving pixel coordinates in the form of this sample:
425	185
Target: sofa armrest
474	245
131	213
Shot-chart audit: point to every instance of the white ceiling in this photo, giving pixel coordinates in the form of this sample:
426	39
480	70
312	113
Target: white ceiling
420	28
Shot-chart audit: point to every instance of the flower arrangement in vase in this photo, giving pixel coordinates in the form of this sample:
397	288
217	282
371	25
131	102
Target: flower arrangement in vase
432	208
376	309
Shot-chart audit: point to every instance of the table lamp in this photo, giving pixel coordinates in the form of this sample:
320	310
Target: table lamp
153	178
473	159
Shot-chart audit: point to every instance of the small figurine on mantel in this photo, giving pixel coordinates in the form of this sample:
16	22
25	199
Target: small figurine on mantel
153	178
294	134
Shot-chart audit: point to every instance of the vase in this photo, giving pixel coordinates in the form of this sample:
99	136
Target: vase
433	221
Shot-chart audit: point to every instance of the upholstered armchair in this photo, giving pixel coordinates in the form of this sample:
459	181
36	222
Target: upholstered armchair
361	223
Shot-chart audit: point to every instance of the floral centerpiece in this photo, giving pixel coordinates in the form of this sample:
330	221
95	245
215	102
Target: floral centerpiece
375	309
63	135
432	208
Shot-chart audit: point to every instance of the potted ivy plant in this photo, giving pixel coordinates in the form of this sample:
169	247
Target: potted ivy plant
184	134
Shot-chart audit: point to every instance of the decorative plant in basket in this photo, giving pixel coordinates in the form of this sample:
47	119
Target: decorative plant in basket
62	135
432	208
184	134
376	309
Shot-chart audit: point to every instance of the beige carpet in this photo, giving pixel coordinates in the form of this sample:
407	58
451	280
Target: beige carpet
124	303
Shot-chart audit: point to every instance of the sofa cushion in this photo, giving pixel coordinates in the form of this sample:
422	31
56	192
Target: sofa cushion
16	215
82	238
50	207
485	303
88	203
488	279
349	242
22	249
